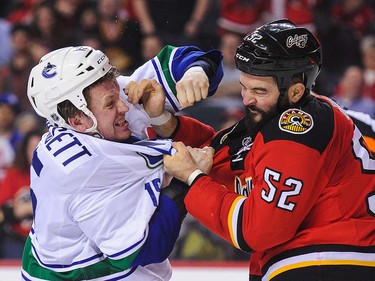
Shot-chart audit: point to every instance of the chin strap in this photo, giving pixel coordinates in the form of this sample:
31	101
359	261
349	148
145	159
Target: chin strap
93	130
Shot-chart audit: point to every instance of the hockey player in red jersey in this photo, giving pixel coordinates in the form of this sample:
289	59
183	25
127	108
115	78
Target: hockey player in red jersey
293	181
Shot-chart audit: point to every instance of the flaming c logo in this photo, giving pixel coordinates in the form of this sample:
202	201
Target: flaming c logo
296	121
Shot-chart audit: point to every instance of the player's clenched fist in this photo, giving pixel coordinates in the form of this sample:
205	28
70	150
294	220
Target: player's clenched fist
192	87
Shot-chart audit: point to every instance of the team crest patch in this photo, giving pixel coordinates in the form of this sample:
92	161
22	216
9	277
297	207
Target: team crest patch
49	71
296	121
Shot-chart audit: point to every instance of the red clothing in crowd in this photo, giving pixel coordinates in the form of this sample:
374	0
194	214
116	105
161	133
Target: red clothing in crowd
16	184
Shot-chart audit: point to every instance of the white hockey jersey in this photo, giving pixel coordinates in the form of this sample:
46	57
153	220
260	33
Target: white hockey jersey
116	187
96	198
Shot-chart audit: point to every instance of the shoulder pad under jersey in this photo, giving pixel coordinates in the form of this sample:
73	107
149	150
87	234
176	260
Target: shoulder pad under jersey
311	125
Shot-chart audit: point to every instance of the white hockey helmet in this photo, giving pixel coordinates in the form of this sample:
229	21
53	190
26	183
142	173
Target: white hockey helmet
62	75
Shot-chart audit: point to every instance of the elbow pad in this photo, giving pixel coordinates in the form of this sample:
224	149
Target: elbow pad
176	191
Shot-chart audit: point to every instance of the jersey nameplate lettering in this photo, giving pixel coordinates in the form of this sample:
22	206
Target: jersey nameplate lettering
68	152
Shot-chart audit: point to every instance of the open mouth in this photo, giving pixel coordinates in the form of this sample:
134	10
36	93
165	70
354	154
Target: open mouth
252	110
121	123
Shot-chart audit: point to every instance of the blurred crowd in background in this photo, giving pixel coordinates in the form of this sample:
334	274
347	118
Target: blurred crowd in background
133	31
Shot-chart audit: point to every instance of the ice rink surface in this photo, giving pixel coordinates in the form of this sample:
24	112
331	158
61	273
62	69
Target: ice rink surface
182	271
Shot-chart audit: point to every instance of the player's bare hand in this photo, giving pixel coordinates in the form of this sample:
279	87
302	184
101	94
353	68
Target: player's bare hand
181	164
203	157
192	87
150	93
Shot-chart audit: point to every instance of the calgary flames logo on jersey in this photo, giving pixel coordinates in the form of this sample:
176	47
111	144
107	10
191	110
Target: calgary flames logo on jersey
296	121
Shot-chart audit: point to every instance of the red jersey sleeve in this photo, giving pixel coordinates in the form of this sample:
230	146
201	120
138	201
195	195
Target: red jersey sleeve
193	133
211	203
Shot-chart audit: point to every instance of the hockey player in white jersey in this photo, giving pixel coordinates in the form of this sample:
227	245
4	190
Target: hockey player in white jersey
101	211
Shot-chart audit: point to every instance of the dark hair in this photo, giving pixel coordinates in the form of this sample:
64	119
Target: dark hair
21	27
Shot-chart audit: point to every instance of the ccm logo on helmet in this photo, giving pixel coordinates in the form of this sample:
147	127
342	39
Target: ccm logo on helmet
99	61
299	40
241	57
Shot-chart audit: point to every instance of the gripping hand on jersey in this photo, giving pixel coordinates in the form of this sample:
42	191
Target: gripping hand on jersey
187	160
150	92
203	157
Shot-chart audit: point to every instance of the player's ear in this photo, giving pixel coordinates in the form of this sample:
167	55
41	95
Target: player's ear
80	122
295	92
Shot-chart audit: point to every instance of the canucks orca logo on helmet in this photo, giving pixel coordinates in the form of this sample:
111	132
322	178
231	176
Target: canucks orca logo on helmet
49	71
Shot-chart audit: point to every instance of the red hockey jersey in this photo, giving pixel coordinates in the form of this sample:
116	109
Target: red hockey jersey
301	193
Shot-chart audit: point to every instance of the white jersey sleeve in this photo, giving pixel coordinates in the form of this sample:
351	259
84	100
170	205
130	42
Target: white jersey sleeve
168	67
137	117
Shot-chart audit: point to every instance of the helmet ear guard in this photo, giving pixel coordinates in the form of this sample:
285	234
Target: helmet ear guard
282	50
62	75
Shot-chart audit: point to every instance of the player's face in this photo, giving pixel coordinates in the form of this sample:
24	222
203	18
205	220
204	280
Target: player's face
260	97
109	110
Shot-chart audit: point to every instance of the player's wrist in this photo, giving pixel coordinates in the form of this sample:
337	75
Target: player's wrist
193	176
161	119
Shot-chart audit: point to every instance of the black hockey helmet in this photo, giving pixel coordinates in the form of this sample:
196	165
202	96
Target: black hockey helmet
282	50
